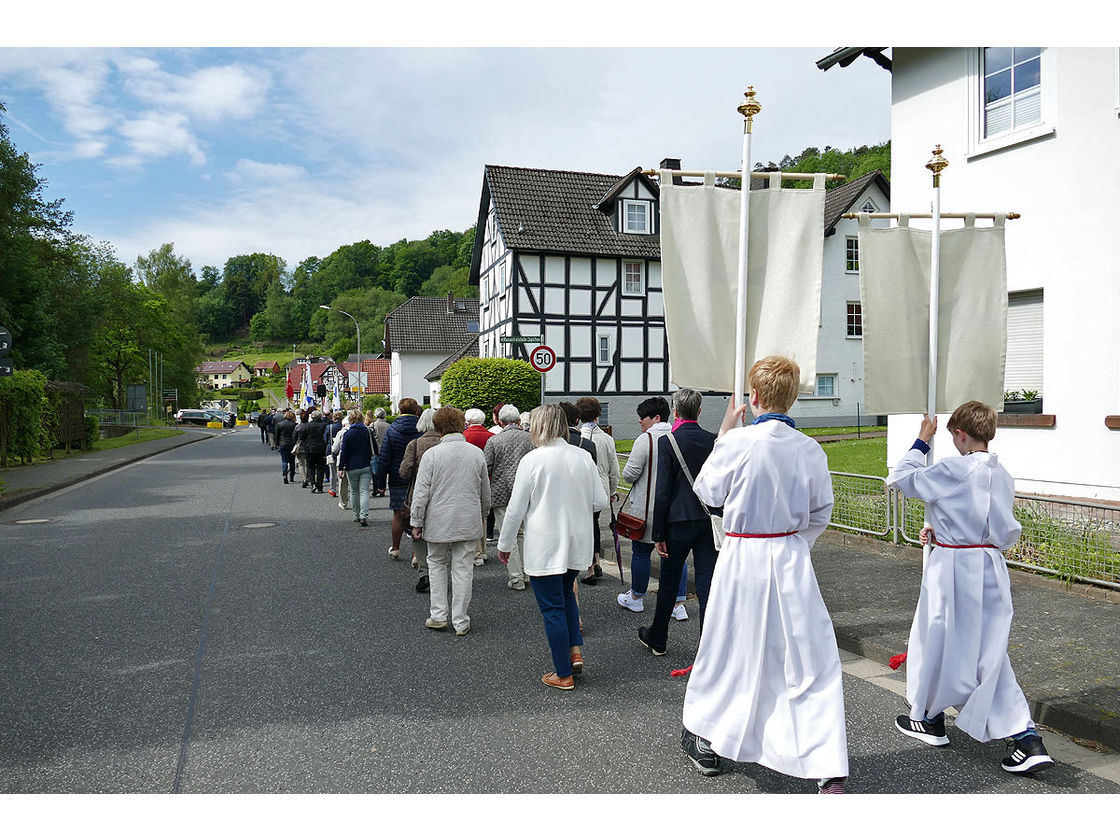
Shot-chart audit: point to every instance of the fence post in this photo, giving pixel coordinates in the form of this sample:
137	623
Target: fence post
895	525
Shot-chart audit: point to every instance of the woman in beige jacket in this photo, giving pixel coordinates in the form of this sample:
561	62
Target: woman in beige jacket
449	505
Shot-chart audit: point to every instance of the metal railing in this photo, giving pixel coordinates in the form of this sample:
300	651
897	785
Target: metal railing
1074	540
113	417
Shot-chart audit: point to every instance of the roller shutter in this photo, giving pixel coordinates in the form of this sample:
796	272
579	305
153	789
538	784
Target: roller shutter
1023	370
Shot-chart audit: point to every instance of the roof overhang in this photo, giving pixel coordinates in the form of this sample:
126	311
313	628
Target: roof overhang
846	55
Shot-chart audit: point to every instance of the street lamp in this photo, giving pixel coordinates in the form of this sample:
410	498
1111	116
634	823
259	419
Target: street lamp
359	329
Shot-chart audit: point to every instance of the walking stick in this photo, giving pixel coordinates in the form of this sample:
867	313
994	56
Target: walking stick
617	546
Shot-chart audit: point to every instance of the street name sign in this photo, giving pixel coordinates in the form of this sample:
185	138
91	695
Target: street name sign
519	339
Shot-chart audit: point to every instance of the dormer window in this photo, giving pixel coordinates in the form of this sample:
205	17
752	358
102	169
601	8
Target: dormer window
635	217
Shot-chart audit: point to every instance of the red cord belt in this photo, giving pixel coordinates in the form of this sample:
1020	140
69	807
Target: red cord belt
761	536
946	545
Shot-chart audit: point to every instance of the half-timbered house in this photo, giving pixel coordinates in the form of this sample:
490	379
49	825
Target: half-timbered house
574	258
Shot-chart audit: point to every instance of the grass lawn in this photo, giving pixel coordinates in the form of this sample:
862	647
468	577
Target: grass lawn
866	456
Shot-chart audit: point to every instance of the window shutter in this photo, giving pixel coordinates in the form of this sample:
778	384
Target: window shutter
1023	369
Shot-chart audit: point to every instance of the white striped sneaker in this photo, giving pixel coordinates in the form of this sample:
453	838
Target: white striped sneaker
1026	755
932	733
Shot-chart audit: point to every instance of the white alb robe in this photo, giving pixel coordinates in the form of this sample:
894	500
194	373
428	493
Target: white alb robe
766	684
957	654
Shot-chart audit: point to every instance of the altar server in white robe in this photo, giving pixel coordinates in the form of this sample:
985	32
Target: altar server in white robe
957	654
766	684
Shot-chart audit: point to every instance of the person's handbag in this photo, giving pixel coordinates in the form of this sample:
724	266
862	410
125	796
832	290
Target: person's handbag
626	525
297	447
718	534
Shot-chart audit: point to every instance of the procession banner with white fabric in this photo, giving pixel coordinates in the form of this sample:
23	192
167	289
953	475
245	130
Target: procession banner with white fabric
971	316
699	265
307	391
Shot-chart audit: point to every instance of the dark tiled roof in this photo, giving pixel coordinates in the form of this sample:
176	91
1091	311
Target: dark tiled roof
839	201
469	349
553	210
423	325
219	367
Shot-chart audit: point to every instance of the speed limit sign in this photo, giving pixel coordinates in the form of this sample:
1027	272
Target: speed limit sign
543	358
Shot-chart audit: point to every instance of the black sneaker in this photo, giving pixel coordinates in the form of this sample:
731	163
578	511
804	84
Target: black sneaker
423	585
643	637
700	753
1026	755
932	732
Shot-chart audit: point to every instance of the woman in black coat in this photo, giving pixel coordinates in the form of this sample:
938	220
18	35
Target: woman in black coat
285	438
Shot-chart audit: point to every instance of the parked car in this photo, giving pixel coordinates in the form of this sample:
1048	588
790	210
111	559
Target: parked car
228	419
254	416
196	417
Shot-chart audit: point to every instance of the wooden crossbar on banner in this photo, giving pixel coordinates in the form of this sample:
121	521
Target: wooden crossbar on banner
786	176
930	215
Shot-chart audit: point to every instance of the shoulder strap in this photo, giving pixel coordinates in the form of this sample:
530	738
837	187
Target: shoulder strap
649	477
687	471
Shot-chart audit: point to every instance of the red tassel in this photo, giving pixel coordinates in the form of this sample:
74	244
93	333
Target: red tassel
680	672
897	660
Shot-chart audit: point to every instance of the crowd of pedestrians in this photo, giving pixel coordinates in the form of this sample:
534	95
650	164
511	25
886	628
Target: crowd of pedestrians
746	505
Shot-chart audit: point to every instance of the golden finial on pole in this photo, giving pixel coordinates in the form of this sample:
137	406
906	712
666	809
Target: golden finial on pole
749	108
936	164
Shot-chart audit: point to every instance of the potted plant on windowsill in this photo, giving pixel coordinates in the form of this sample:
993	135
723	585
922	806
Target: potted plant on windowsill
1022	402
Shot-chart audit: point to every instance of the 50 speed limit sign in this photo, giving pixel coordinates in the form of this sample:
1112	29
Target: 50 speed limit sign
543	358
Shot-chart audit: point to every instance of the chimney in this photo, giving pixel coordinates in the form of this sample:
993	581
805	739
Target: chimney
672	163
450	303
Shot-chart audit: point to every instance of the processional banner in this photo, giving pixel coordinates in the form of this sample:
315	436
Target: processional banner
894	267
699	275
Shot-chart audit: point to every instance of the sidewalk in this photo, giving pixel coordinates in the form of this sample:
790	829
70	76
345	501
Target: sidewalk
23	483
1065	640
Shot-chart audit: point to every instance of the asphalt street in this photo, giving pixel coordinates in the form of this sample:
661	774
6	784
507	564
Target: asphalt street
190	624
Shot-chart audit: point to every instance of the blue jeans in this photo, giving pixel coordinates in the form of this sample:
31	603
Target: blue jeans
557	601
359	491
640	553
287	462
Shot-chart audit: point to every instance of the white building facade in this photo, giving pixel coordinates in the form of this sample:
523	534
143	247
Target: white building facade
1013	124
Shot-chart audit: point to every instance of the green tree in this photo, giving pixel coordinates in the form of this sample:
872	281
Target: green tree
483	383
446	279
37	264
246	279
369	307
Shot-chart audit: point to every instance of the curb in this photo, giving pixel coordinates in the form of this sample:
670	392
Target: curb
18	497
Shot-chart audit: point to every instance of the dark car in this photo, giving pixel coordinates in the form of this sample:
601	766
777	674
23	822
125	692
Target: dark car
254	416
196	417
227	419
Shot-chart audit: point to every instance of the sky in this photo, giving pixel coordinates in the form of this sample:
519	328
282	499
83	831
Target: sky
274	146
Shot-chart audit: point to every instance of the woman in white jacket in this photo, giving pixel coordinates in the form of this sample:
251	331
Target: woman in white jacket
556	493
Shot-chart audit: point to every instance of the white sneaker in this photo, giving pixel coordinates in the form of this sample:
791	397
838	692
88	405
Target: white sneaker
627	600
479	561
679	612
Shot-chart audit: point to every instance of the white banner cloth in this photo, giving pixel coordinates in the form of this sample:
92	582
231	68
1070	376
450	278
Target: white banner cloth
699	271
894	272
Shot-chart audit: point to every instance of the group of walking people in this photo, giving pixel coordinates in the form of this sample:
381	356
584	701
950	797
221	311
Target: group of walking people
748	504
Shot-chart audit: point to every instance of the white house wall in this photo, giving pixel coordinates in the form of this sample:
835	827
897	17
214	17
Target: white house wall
837	353
1066	186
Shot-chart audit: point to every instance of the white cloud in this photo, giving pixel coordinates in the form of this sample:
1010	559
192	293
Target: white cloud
210	94
255	173
154	135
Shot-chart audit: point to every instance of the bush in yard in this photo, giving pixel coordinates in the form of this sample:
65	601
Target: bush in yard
93	431
24	397
483	383
372	402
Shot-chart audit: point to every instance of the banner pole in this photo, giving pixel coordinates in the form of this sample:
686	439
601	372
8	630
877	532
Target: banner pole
935	165
749	109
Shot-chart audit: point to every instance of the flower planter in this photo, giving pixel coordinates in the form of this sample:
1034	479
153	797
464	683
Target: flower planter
1023	406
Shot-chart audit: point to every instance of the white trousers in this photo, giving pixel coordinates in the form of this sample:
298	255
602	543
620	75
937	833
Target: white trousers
516	566
454	561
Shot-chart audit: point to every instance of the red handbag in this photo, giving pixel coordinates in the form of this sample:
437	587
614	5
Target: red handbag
626	525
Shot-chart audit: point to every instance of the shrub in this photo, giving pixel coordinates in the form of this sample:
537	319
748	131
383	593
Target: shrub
483	383
24	397
93	431
372	402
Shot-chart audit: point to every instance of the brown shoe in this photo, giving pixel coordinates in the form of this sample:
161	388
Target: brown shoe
577	662
563	683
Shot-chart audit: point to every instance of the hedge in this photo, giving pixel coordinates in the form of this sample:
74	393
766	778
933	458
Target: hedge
25	400
483	383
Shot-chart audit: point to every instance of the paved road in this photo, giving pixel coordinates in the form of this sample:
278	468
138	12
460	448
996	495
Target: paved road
191	624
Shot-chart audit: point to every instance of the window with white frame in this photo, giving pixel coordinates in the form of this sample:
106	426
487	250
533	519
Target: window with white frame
1011	96
1012	88
635	217
604	349
632	279
851	254
855	319
502	280
826	385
